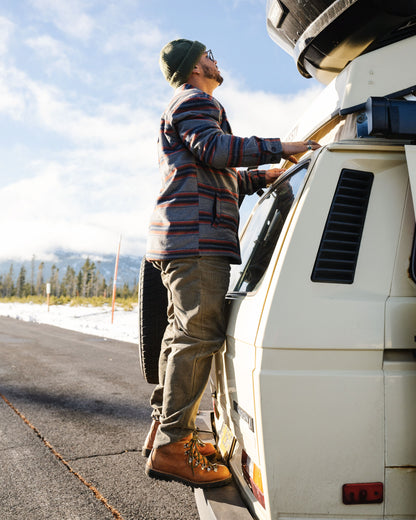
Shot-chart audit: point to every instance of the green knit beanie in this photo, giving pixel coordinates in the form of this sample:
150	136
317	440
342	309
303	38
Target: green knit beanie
178	58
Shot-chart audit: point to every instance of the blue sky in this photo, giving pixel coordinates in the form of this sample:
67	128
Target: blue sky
81	95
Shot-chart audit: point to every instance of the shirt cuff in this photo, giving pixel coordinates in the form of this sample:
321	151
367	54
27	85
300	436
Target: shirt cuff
258	179
272	150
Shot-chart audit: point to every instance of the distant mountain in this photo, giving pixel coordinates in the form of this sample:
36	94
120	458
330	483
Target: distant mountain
128	266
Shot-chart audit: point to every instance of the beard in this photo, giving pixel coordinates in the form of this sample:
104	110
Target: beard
212	74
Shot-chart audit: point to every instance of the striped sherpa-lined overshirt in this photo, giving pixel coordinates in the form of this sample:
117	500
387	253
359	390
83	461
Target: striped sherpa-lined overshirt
196	212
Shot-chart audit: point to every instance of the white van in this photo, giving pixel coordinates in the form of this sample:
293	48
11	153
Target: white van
314	393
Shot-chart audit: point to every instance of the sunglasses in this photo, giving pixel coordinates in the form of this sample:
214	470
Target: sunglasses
210	56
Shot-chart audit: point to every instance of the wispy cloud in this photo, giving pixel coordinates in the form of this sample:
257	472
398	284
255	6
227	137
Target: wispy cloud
52	52
101	182
6	30
56	208
262	113
135	35
69	17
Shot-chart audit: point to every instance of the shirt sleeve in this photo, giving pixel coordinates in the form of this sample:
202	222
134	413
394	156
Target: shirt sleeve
250	181
197	121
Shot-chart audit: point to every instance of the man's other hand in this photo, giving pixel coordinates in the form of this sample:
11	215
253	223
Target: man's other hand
273	174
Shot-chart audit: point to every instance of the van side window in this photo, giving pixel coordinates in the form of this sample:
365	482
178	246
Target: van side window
263	230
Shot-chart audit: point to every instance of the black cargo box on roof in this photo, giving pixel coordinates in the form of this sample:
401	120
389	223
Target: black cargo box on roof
323	36
390	118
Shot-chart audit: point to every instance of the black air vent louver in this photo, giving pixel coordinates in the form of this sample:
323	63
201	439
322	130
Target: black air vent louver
338	252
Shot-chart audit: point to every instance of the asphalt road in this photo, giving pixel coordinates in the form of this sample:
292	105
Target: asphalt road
73	415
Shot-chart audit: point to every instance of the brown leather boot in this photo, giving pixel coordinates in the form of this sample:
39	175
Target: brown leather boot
182	461
150	439
205	448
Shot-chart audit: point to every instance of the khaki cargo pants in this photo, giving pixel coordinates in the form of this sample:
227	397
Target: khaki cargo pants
196	331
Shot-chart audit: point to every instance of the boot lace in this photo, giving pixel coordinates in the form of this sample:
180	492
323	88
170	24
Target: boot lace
194	456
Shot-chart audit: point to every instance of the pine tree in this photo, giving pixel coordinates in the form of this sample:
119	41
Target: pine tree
54	281
87	278
21	283
9	283
69	283
79	284
32	275
40	285
125	292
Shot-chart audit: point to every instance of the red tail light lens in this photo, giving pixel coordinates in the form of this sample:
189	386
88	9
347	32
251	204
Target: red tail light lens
364	493
252	475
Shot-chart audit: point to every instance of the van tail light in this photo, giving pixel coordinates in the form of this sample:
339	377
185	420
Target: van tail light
364	493
252	475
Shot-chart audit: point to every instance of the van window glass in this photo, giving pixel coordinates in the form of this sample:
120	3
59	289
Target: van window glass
263	231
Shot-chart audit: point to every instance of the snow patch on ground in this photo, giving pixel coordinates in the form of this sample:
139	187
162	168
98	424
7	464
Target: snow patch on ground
89	320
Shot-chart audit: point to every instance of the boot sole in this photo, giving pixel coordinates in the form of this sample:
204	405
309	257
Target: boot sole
169	477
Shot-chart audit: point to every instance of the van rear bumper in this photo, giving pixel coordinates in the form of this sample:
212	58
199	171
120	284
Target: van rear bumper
220	503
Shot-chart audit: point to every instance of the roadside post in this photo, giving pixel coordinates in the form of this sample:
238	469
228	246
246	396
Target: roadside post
115	282
48	294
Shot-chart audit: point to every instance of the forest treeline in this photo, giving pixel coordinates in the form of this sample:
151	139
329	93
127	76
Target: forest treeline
87	283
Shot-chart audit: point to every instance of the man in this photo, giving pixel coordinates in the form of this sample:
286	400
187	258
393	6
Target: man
192	240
